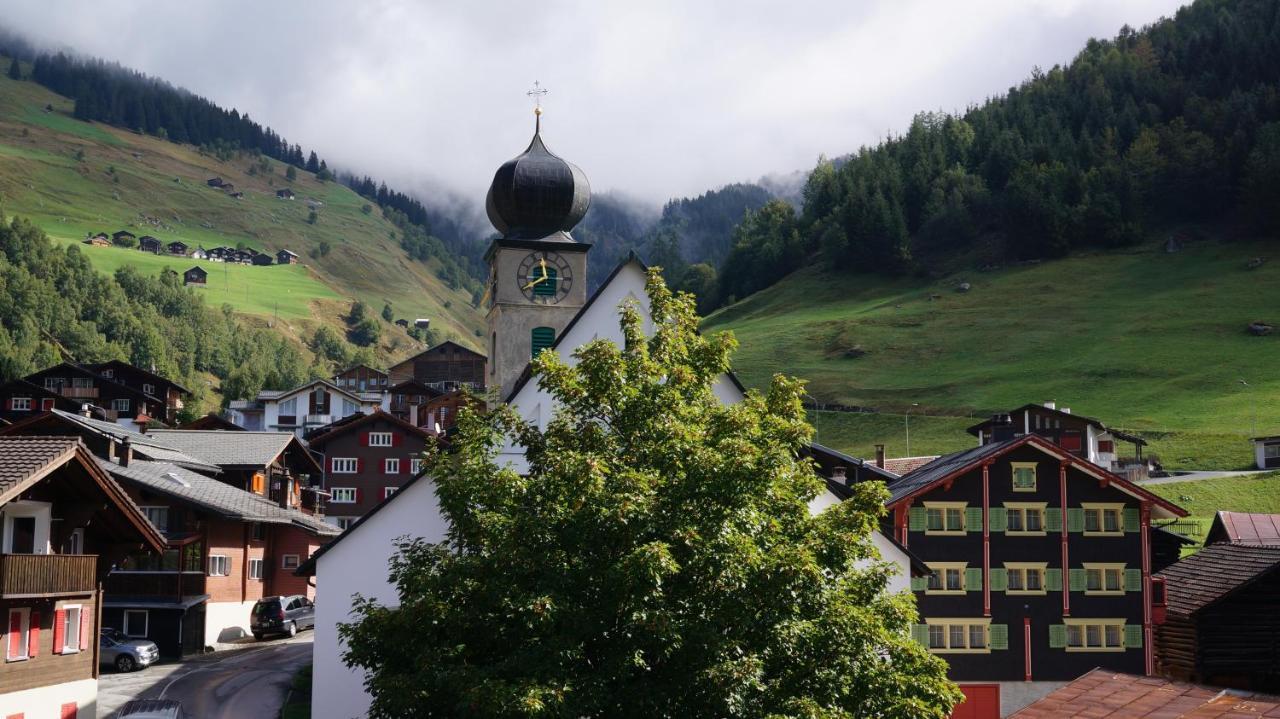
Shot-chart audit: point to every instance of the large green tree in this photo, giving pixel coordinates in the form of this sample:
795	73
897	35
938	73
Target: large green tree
657	558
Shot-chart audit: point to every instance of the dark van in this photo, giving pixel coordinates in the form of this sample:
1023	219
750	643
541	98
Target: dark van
281	615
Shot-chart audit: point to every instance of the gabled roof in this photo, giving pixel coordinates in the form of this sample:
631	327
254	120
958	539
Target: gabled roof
287	252
413	386
1059	413
142	445
276	395
233	449
89	371
1257	530
359	419
839	457
446	343
1214	572
358	366
907	465
211	421
1103	694
950	466
24	461
213	495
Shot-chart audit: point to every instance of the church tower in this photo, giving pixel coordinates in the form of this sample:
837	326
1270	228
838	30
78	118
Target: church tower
537	272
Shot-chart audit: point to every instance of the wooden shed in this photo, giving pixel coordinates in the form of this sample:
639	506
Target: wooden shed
195	276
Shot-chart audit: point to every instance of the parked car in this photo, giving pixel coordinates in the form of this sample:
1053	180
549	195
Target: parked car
281	615
126	653
152	709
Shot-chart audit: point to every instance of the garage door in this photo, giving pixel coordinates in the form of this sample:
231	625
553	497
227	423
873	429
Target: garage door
981	701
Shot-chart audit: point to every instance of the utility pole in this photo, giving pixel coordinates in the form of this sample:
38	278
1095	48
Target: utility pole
1253	397
906	418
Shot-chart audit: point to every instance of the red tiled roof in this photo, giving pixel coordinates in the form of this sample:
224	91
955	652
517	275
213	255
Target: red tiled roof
1214	572
1103	694
1259	530
902	465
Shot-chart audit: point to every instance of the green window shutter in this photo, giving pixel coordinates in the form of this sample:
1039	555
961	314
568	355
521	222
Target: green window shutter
542	338
973	519
547	287
973	579
1057	636
1077	580
920	633
1053	580
999	519
919	584
1053	519
1075	519
1132	519
998	636
999	579
1133	580
1133	636
916	519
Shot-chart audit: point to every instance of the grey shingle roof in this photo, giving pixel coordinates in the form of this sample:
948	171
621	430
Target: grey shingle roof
24	457
213	495
147	447
941	467
225	448
1214	572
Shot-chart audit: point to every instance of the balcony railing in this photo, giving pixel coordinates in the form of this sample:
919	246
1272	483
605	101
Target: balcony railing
156	584
318	419
78	392
47	575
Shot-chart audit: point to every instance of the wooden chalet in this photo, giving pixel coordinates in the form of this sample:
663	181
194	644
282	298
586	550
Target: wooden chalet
261	259
407	397
1084	437
214	182
151	384
285	257
66	523
361	378
199	253
20	400
445	367
117	236
147	243
177	247
217	254
1222	625
274	465
402	322
195	276
284	193
1041	564
212	421
1266	452
131	406
98	240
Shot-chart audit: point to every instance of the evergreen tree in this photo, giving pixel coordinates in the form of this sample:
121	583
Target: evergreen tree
15	72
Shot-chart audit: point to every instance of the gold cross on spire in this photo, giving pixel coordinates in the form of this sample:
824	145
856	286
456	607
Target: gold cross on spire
536	93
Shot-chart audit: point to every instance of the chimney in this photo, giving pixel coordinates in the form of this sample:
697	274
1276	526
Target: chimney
86	410
838	474
880	456
125	455
1066	410
1051	404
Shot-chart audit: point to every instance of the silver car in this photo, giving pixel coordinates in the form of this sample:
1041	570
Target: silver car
126	654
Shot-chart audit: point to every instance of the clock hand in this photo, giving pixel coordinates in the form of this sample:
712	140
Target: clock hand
531	284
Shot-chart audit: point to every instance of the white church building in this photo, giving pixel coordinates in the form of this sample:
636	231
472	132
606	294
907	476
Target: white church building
537	302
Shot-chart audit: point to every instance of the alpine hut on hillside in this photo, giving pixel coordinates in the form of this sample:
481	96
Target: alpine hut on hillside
98	240
285	257
178	248
147	243
284	193
214	182
116	236
261	259
195	276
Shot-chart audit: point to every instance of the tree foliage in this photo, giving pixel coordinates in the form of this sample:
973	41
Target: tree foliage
658	558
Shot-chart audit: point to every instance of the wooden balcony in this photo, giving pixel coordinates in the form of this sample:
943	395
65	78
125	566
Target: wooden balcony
156	584
78	392
25	576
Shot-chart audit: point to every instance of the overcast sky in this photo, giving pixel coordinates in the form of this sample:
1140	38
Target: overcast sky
653	98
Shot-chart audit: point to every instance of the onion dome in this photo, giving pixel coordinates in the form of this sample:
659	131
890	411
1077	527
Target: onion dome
537	195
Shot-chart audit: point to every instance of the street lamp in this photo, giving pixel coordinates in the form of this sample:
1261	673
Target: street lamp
906	419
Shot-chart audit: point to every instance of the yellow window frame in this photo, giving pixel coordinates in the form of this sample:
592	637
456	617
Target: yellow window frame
946	531
966	622
1102	568
943	567
1023	567
1021	508
1102	625
1101	508
1013	471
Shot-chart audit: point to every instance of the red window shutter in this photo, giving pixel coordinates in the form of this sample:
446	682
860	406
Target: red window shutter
15	633
404	465
359	465
33	635
364	439
8	404
46	404
86	624
358	493
332	463
395	439
68	711
59	630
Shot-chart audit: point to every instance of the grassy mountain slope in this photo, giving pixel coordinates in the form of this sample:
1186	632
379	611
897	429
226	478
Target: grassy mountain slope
150	186
1152	342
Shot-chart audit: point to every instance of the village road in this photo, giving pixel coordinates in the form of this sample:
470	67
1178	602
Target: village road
235	684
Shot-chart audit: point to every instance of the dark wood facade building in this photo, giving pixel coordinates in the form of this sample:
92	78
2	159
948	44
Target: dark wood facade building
1041	562
446	366
119	402
20	400
66	523
195	276
151	384
1085	437
361	378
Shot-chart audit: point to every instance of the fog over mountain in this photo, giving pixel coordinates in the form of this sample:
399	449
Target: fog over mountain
655	99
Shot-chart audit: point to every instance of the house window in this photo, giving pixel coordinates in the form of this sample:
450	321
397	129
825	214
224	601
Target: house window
379	439
135	622
959	636
1025	577
158	516
342	495
18	639
120	405
344	522
343	465
149	389
255	569
1024	518
1103	520
259	531
946	578
21	404
289	561
1271	451
541	338
1102	579
70	629
1095	635
1024	476
1106	446
415	466
108	373
219	565
53	383
391	465
944	518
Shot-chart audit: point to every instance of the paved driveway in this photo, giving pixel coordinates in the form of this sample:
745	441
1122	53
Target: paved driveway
234	684
1194	476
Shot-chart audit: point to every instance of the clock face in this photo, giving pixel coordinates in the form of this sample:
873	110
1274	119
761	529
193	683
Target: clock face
544	277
